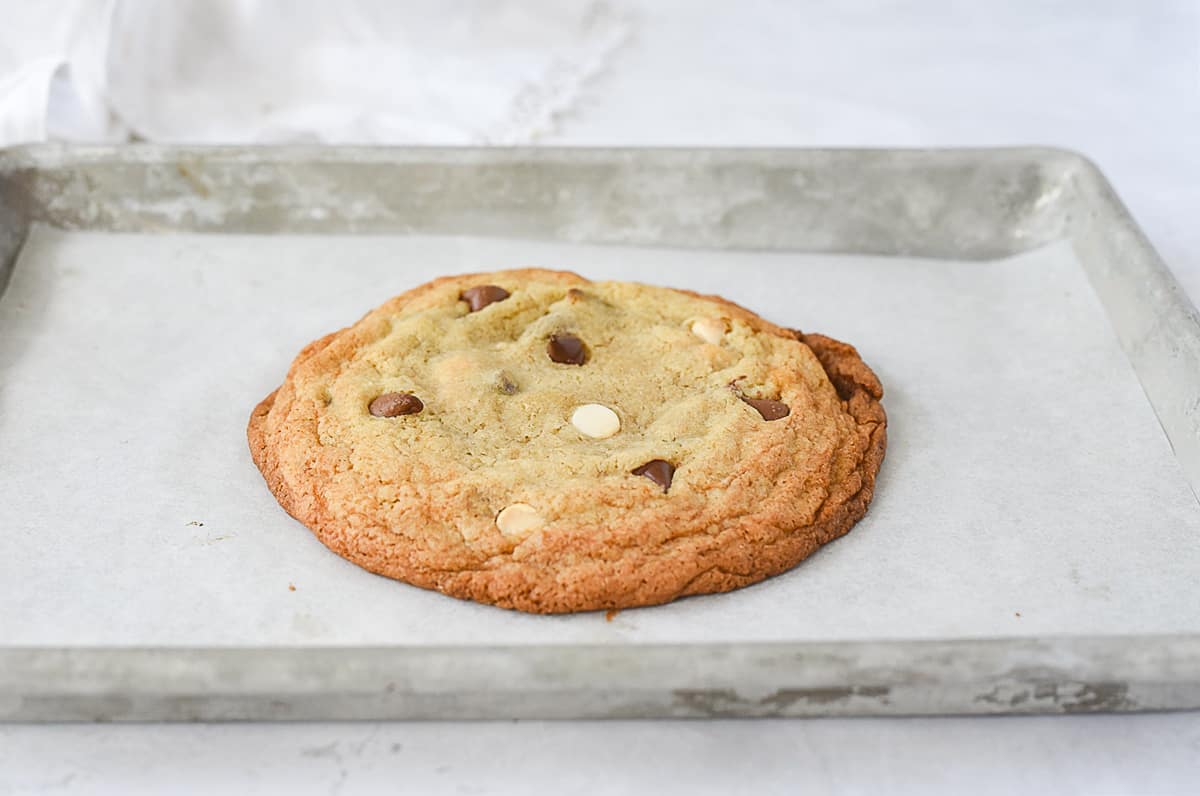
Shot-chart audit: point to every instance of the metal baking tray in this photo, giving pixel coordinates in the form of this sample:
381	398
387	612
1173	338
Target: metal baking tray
957	205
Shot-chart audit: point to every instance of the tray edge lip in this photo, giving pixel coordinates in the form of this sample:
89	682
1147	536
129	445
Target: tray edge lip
1071	166
52	153
972	676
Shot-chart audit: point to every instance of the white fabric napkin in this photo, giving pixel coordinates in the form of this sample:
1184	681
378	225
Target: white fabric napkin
368	71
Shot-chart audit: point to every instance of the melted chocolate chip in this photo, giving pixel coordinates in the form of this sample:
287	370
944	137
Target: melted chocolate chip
659	471
480	296
567	349
770	410
394	404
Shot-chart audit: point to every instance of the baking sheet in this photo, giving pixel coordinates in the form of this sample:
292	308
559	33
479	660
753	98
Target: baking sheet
1028	489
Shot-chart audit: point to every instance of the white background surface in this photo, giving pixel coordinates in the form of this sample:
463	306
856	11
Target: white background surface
1118	81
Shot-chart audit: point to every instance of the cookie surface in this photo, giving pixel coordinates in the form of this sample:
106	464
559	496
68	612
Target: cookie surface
541	442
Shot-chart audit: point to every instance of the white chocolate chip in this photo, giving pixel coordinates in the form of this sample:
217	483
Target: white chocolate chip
596	420
519	520
710	330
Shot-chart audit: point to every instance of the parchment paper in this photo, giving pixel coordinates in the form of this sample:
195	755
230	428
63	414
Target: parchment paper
1027	490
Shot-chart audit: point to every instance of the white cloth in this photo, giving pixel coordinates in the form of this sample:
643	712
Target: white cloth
52	58
250	71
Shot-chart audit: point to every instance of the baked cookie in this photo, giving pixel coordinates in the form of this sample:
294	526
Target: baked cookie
541	442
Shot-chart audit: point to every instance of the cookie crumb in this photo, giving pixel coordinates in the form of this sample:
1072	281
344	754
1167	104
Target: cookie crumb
1017	614
291	587
611	614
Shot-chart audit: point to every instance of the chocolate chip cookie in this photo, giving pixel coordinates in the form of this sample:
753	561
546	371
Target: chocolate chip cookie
541	442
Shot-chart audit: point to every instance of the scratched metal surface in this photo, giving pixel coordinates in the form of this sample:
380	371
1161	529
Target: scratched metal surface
953	204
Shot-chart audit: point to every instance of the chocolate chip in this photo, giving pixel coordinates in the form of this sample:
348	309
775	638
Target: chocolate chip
770	410
482	295
394	404
505	383
659	471
567	349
